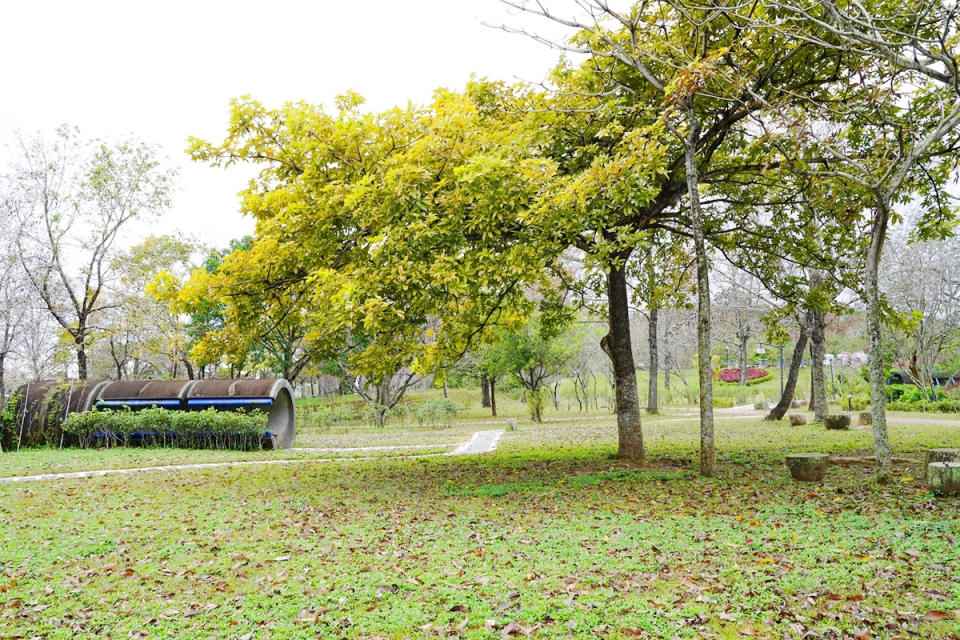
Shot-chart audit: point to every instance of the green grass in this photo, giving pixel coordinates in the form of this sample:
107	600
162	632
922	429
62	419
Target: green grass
551	535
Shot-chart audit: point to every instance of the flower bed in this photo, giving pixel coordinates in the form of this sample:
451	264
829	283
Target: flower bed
754	375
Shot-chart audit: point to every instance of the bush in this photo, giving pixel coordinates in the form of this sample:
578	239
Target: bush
435	412
860	402
8	422
208	429
722	403
940	406
947	406
328	414
912	394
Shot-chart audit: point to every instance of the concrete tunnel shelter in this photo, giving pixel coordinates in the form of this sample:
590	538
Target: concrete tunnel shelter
44	398
273	397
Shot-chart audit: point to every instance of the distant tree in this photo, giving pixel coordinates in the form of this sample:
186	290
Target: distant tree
14	305
531	355
269	327
74	198
738	306
662	279
142	337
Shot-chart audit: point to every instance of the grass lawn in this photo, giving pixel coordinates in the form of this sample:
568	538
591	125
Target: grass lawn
550	536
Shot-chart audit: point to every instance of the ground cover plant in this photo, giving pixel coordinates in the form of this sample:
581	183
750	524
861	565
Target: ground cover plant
548	537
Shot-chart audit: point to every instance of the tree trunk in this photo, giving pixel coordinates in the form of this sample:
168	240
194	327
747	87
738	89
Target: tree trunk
81	359
652	400
484	391
3	383
189	367
446	394
666	371
493	396
617	346
708	451
878	401
817	354
576	394
534	397
742	349
783	405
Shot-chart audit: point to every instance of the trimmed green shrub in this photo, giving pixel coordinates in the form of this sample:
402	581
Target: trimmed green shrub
750	383
940	406
207	429
723	403
860	402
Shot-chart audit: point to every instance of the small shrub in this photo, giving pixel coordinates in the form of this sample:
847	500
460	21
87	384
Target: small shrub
947	406
723	403
939	406
435	412
860	402
895	391
912	394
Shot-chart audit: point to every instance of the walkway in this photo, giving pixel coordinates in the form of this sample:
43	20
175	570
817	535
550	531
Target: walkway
480	442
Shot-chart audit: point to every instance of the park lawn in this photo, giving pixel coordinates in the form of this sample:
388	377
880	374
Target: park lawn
45	460
550	536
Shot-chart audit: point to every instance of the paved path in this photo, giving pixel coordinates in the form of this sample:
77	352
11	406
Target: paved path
480	442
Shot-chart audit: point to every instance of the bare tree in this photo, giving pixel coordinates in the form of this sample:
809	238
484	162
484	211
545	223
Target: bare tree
74	200
13	306
739	307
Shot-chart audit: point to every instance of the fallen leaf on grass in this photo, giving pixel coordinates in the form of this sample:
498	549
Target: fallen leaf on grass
935	615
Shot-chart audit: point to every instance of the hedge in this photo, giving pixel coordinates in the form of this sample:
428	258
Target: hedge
207	429
939	406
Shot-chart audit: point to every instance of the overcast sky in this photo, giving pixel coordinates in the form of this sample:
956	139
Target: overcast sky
163	71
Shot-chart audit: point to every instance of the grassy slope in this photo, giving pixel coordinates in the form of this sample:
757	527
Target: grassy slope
550	534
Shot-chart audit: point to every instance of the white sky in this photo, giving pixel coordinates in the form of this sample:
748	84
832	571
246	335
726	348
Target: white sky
163	71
